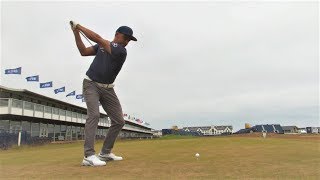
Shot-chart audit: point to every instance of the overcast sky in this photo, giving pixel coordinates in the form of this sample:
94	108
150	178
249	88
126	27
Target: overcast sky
194	63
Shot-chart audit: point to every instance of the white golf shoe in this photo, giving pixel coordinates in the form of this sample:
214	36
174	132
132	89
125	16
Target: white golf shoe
92	160
109	157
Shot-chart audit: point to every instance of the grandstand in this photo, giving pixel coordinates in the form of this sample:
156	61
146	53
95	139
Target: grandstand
269	128
180	132
41	116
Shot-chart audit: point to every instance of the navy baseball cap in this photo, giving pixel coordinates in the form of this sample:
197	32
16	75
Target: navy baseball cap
126	31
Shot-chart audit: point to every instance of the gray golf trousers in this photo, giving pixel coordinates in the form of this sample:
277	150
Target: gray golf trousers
93	93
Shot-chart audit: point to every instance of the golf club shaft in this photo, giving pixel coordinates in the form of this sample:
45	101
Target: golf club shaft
86	38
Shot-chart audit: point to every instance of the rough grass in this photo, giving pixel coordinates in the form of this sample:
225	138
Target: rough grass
172	157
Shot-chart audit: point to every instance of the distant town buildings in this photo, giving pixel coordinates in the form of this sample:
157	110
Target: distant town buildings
199	130
276	128
210	130
290	129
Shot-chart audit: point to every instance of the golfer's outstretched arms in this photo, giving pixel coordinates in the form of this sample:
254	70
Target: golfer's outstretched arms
95	38
84	51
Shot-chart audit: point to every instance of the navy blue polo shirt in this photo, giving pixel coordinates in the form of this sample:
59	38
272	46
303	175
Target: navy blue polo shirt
105	66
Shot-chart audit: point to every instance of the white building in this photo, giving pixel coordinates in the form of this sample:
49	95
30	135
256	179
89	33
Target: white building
156	133
210	130
312	130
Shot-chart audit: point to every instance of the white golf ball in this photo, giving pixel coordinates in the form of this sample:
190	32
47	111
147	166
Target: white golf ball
197	155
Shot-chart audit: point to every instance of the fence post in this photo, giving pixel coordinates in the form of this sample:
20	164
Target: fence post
19	138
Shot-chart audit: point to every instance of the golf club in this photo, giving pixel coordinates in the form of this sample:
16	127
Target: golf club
71	23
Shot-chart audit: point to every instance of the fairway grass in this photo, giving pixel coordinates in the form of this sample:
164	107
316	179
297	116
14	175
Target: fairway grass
172	158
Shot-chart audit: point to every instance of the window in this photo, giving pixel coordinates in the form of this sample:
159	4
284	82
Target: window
38	107
56	111
98	133
4	125
47	109
69	113
51	130
78	132
69	133
16	103
82	130
4	102
82	116
28	105
43	130
57	130
26	126
15	126
74	114
81	135
62	112
74	133
35	129
63	130
104	132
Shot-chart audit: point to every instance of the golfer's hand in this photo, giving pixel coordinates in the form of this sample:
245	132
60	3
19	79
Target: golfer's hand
73	25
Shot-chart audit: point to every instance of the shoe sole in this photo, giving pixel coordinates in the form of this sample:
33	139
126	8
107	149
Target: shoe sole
84	164
87	163
105	159
108	159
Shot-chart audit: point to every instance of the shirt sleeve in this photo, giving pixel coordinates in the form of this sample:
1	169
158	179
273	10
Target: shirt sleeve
117	51
96	47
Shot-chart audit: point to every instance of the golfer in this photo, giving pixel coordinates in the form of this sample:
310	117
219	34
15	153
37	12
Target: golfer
98	86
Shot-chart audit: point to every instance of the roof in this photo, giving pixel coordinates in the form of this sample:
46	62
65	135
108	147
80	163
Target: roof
241	131
287	128
206	128
193	129
222	127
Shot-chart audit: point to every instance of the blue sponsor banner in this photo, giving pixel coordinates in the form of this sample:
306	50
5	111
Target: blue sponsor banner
62	89
73	93
79	96
46	84
33	78
13	71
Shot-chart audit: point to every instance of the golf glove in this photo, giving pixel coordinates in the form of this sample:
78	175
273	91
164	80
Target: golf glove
73	25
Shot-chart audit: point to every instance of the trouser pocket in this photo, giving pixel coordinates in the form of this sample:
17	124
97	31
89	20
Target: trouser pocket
85	85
